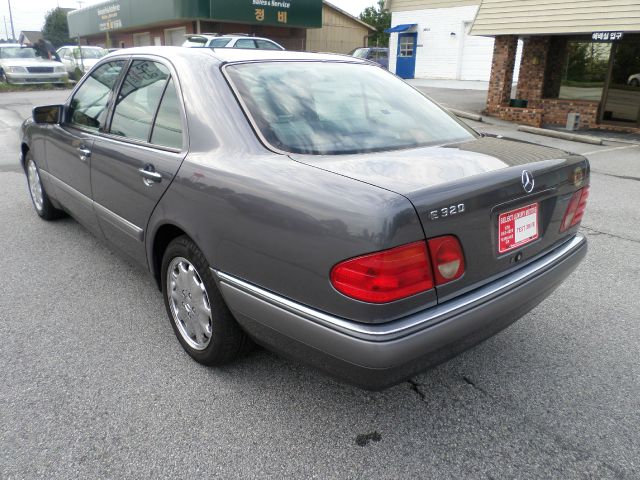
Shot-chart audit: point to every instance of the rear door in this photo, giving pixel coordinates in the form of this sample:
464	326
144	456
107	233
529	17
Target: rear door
135	161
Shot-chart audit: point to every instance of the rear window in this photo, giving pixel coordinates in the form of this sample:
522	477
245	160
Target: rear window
339	108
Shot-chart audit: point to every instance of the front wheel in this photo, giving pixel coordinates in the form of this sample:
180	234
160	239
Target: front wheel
635	82
199	316
43	206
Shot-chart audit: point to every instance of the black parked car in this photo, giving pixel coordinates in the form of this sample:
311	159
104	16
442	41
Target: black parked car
315	204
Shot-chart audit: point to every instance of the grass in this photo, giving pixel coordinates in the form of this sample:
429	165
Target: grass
10	87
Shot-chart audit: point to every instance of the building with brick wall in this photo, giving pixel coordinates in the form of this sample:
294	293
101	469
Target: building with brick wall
577	58
294	24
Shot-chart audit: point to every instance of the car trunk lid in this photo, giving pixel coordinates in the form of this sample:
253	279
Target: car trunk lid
463	189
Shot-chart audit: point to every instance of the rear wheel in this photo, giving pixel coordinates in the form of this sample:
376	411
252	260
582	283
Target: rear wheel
43	206
199	317
635	82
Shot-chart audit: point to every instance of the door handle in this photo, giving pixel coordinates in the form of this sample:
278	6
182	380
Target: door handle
85	153
149	175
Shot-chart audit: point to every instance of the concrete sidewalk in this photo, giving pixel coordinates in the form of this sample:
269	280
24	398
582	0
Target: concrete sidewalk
453	84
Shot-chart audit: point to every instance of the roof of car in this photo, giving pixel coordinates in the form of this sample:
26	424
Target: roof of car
229	55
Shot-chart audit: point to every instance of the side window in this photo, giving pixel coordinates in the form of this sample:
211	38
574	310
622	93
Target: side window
88	108
219	42
266	45
138	99
167	130
245	43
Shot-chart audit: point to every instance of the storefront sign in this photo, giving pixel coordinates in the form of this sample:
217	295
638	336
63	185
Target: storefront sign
606	36
109	17
282	13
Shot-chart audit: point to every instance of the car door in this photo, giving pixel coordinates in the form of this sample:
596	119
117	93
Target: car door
67	59
136	160
69	144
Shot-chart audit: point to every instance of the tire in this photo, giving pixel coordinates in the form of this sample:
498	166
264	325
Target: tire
39	198
635	82
3	77
198	314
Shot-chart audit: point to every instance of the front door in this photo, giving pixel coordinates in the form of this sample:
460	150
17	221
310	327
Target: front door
406	60
135	161
69	145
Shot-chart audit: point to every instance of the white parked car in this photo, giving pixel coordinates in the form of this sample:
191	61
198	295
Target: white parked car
20	64
71	58
230	41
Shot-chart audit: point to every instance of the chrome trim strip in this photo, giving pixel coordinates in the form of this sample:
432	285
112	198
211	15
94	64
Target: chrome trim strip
118	222
421	320
79	196
104	213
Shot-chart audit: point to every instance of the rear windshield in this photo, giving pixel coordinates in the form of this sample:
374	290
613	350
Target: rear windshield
330	108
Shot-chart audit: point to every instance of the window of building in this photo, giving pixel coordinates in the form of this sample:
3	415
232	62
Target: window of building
585	70
406	47
141	39
175	36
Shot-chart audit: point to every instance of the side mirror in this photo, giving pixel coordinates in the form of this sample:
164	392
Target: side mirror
48	114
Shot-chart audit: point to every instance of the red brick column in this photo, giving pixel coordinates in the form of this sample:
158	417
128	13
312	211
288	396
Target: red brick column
504	59
532	69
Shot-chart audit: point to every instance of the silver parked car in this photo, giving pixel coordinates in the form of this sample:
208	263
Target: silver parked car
230	41
83	57
20	64
315	204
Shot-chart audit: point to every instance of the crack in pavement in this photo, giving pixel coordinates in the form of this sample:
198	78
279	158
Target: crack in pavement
415	386
622	177
595	233
546	431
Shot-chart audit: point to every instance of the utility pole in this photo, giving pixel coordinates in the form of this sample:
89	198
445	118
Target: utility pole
13	33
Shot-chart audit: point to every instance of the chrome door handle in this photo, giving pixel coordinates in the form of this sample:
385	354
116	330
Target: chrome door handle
85	153
150	176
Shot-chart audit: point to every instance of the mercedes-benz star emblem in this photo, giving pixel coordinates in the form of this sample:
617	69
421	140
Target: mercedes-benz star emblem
527	181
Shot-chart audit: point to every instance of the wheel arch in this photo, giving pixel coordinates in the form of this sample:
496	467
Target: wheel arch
162	237
24	148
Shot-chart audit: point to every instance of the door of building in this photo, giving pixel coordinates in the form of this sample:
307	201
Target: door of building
621	96
406	60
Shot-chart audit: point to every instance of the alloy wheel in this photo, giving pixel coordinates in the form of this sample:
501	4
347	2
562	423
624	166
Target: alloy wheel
189	303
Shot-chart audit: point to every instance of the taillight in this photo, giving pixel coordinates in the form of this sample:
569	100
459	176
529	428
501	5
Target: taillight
447	258
385	276
575	209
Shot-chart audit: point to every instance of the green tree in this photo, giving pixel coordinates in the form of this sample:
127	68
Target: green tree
380	18
56	28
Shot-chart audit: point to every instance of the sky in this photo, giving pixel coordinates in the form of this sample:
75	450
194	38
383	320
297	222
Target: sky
29	14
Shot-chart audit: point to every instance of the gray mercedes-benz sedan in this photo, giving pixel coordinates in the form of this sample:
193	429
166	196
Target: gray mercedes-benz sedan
315	204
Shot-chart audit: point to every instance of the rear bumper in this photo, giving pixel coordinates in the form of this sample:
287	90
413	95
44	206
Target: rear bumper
380	355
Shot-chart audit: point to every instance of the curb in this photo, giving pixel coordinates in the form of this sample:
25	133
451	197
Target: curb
467	115
562	135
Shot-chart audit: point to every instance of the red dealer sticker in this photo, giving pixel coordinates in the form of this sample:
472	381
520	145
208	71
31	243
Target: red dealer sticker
517	227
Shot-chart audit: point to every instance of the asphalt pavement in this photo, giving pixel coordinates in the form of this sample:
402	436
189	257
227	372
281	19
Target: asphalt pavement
95	385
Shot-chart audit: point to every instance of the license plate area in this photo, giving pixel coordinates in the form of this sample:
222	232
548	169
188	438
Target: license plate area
518	227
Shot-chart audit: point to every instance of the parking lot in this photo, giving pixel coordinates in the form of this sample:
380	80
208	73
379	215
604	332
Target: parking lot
94	383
